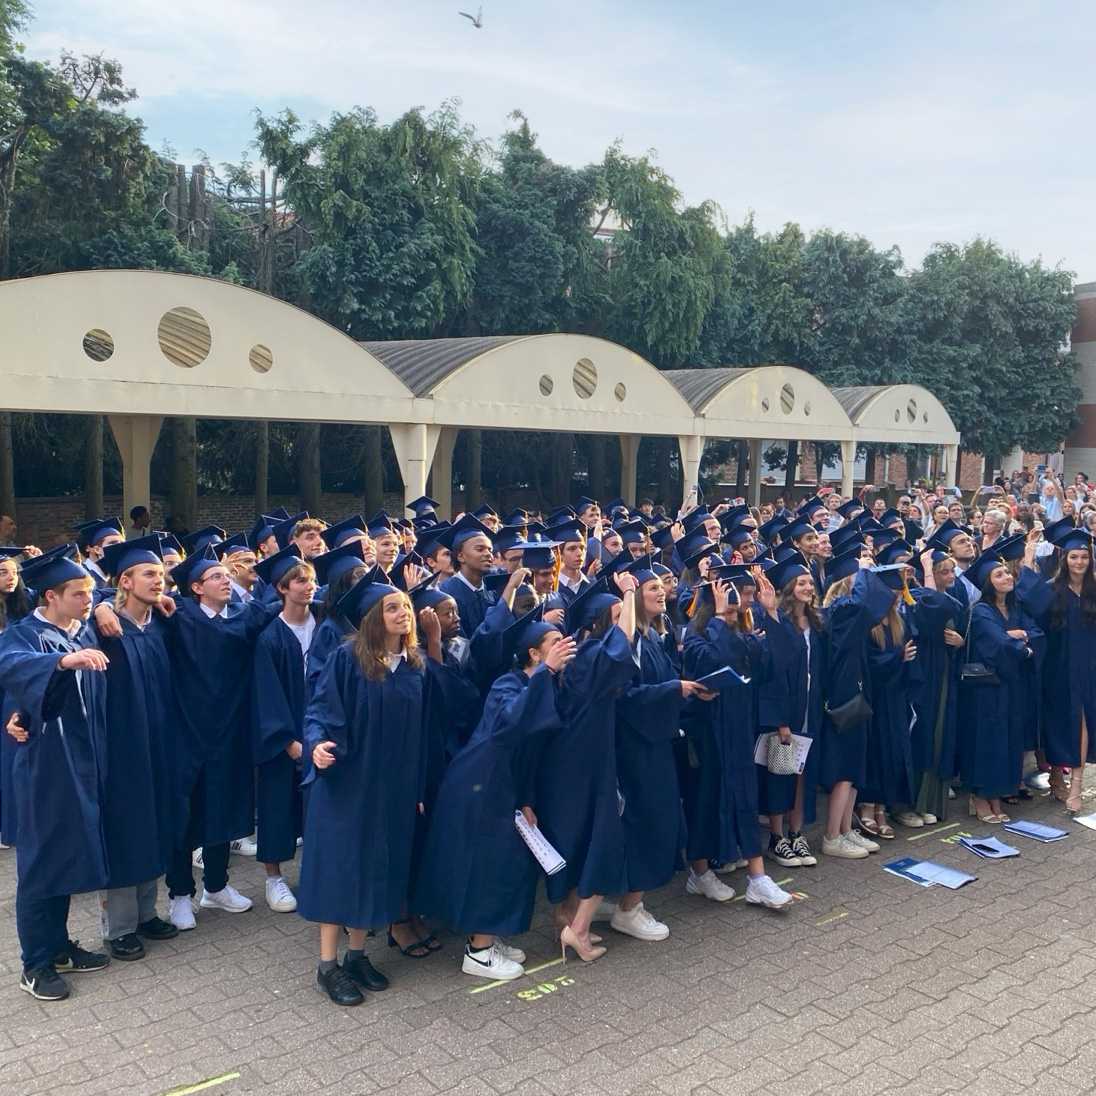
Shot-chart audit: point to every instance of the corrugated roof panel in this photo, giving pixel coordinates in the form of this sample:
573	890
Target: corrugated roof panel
422	364
854	400
700	386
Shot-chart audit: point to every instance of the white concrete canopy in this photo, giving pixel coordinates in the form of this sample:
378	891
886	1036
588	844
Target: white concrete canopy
137	345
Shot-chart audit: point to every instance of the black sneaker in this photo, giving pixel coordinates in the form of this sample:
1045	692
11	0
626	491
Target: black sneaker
156	928
339	987
127	948
365	974
45	984
75	958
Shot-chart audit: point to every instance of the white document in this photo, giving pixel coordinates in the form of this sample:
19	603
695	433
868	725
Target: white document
802	747
539	845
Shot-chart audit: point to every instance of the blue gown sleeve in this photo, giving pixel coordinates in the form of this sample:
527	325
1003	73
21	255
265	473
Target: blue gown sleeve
1035	595
990	642
325	718
776	703
272	713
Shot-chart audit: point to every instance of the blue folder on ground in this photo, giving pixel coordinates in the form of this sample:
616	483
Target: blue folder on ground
1036	830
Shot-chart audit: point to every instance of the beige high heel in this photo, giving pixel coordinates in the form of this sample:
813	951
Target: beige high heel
568	939
561	921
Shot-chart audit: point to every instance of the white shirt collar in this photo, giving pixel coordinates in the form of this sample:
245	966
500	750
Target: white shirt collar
212	613
72	629
474	589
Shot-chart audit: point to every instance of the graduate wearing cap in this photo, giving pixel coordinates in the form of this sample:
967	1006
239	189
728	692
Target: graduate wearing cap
572	579
721	805
351	528
386	539
261	539
993	716
469	541
196	541
138	804
277	707
365	731
424	506
577	799
1069	668
791	702
477	874
959	544
855	602
211	643
93	537
51	671
336	572
435	556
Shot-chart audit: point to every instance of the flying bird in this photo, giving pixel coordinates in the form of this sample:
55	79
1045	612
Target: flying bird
477	19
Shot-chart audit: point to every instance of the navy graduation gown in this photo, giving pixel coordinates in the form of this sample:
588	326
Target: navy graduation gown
356	860
992	718
329	634
933	680
722	821
471	604
7	756
889	776
477	873
566	595
58	773
139	808
847	624
1069	687
793	699
576	790
647	726
211	678
278	703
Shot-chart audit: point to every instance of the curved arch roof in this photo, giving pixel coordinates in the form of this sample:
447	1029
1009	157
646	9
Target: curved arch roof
903	413
769	401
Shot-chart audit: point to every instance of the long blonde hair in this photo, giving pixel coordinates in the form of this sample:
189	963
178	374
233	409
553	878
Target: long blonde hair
841	588
894	623
369	648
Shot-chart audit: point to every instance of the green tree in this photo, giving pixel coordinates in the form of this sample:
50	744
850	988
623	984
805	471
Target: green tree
390	213
988	332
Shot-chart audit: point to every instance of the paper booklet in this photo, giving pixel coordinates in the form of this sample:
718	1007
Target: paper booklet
1036	830
1088	820
539	846
989	848
925	873
802	747
722	679
902	867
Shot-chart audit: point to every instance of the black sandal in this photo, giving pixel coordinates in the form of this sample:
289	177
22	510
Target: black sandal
1011	800
411	950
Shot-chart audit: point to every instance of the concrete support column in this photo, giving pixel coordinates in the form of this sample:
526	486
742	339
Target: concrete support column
135	436
1080	452
692	449
848	459
753	493
951	456
441	472
414	443
629	453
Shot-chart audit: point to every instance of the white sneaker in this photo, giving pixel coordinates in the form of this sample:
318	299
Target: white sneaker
490	963
508	951
245	846
278	895
709	885
846	850
762	891
909	818
605	910
639	923
860	841
929	819
228	899
197	859
180	912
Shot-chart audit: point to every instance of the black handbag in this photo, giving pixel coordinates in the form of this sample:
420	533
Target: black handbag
850	713
975	673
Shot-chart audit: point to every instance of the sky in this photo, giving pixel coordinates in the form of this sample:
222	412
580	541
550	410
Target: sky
909	122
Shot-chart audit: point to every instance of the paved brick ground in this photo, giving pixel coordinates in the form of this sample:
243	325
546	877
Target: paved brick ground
868	985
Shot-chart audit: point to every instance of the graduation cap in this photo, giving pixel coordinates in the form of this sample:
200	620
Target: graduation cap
799	526
944	534
279	513
1012	548
787	570
661	570
371	588
892	575
737	536
1075	538
395	574
589	605
703	594
1056	530
516	517
283	531
890	517
235	543
527	631
469	526
429	539
194	566
695	518
127	554
559	515
263	529
52	568
842	565
566	531
891	553
938	556
979	571
663	536
507	537
169	544
91	532
274	568
542	555
632	532
584	503
773	528
426	595
338	561
618	503
380	525
642	569
495	582
810	506
484	512
740	574
737	515
848	510
427	521
846	535
9	551
697	552
335	536
423	505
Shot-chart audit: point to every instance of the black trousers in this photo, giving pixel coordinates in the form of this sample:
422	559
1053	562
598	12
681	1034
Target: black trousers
180	876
